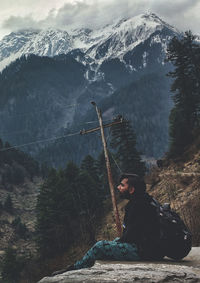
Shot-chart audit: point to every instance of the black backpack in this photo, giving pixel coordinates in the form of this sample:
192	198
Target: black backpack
175	238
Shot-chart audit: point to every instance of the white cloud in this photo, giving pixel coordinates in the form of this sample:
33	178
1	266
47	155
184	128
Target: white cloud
95	13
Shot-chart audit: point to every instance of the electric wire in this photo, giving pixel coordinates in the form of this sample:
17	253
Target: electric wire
90	122
26	131
39	141
116	163
107	139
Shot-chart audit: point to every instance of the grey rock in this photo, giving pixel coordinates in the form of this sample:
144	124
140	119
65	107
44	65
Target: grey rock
187	270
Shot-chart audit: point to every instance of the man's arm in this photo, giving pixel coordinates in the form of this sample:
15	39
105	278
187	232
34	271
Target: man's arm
133	225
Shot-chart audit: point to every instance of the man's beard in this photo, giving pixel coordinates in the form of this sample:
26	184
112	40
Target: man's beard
125	195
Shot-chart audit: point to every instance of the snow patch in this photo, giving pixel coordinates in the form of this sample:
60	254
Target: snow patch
111	41
145	59
5	62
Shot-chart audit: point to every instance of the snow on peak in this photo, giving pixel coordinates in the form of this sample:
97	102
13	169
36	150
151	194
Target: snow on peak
112	40
120	37
149	16
49	42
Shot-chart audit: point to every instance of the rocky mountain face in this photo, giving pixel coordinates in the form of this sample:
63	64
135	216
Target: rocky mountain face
20	179
17	227
120	66
177	182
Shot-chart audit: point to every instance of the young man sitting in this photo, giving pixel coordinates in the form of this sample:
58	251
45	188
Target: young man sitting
140	238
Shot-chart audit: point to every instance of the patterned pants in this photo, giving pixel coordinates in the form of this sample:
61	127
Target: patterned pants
108	250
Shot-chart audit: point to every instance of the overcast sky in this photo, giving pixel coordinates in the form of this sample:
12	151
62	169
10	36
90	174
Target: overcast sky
21	14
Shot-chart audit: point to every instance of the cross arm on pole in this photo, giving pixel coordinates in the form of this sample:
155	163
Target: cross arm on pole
83	132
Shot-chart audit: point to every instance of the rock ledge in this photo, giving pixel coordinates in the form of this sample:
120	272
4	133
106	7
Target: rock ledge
165	271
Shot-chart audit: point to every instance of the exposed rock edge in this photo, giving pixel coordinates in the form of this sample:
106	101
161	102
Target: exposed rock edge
166	271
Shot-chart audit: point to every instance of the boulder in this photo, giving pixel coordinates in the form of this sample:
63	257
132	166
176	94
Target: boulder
187	270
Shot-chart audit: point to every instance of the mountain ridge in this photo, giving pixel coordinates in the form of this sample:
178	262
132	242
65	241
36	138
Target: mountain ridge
109	66
51	42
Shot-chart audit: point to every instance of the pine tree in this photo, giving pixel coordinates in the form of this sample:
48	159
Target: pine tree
1	152
90	204
11	266
184	53
20	228
51	216
123	141
58	208
90	180
90	166
8	205
103	174
1	144
1	208
66	208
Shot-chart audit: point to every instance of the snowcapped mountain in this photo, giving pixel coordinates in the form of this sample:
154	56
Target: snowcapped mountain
120	66
114	41
39	42
111	41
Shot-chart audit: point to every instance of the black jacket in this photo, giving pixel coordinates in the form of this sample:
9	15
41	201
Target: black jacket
141	226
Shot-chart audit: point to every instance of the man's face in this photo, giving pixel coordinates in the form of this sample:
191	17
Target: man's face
124	189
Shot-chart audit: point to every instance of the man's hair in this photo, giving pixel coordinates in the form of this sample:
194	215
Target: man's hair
134	181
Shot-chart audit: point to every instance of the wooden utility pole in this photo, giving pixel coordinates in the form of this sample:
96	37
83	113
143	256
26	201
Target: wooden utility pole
110	179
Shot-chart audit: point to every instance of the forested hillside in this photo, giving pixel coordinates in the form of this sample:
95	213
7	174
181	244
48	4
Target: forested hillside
61	209
16	166
145	103
46	92
20	178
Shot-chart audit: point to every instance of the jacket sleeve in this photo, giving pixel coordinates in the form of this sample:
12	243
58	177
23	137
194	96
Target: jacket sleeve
133	224
139	224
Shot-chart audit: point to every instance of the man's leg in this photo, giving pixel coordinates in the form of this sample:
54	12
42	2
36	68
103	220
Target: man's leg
108	250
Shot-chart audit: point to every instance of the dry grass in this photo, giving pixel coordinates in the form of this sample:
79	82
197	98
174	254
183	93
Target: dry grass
190	214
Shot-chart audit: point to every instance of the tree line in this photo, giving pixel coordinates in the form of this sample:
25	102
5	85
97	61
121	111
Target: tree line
71	199
70	203
15	165
184	120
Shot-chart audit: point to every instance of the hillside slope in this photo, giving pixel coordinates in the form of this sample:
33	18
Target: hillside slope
20	178
176	182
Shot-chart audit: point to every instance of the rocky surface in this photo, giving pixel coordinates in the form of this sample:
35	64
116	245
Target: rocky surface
178	183
187	270
24	199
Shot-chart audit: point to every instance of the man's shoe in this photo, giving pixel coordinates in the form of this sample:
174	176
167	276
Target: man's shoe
68	268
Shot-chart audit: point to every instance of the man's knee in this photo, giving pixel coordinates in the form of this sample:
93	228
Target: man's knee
99	244
99	249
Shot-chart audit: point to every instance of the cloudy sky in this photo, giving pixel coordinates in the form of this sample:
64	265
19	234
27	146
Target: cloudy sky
21	14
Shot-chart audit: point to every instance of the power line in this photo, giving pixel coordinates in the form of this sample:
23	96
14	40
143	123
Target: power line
39	141
90	122
26	131
116	163
108	137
